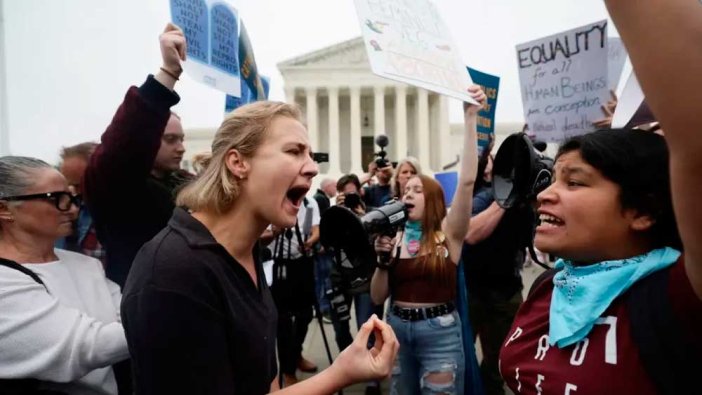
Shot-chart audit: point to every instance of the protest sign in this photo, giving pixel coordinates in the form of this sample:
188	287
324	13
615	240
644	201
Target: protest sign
407	41
628	102
563	81
616	57
486	117
448	181
253	86
211	30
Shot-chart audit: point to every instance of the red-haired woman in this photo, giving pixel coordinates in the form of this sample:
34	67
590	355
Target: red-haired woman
421	277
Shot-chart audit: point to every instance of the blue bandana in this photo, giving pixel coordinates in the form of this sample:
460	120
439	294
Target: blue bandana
413	236
582	293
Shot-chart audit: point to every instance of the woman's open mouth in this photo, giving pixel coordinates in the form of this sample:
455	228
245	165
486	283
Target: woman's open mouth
548	221
296	195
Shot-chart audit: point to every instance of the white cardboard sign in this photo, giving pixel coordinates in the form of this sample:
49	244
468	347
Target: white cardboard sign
563	81
407	41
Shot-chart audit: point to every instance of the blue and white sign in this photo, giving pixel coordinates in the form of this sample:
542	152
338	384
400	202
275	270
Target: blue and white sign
212	31
486	117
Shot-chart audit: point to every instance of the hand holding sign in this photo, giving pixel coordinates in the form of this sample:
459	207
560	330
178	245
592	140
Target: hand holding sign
173	50
477	94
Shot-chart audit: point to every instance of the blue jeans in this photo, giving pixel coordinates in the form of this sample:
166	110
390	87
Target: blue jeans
322	268
428	346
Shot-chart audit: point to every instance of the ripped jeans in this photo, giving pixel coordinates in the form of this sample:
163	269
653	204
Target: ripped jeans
431	358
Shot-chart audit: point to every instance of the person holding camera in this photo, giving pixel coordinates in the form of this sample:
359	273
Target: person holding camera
350	281
378	194
293	287
417	268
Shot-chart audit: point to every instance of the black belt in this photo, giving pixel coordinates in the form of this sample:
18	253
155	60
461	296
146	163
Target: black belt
422	313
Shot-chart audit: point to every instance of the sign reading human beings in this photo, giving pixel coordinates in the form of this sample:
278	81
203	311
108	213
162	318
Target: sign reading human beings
212	31
407	41
564	81
486	117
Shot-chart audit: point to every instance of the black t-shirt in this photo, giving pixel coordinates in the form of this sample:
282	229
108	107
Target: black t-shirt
376	196
195	321
492	265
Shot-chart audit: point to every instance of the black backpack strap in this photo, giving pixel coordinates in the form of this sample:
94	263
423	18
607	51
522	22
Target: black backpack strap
668	360
17	266
545	276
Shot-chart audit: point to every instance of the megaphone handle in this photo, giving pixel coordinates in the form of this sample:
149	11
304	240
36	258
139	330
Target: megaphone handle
384	261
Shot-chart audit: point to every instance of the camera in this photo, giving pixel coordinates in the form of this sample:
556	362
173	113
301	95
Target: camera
339	305
520	172
381	141
352	200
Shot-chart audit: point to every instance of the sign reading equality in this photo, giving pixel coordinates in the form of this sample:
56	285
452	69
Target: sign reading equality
407	41
563	81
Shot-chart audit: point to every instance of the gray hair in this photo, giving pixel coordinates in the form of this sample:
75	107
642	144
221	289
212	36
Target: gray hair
16	174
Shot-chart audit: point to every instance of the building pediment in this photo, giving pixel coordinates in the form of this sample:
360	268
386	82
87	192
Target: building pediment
350	53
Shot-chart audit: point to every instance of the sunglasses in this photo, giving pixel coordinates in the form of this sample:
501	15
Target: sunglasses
62	199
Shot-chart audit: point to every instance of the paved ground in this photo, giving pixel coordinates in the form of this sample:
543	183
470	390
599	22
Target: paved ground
314	349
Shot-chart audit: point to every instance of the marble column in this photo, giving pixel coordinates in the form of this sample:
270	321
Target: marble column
290	94
379	112
401	122
334	151
423	131
448	153
356	165
311	98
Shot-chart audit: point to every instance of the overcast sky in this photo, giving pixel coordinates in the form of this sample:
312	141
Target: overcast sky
69	62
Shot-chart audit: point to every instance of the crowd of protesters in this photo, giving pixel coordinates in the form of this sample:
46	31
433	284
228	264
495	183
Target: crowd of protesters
122	273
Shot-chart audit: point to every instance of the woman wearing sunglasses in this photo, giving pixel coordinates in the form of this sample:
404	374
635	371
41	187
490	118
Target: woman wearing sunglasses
60	328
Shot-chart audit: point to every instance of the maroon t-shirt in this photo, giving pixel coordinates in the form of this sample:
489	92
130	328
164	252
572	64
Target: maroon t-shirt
605	362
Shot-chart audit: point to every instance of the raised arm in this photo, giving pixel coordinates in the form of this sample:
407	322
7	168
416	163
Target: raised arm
456	224
43	339
663	40
129	145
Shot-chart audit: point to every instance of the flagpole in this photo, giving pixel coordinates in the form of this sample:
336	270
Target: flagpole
4	113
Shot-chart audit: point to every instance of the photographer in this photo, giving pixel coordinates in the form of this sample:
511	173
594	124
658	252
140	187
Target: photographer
293	287
351	282
493	254
378	194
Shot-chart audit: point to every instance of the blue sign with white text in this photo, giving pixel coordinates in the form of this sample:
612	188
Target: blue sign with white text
486	116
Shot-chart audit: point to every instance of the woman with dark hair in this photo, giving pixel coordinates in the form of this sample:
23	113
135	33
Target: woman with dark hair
625	303
420	277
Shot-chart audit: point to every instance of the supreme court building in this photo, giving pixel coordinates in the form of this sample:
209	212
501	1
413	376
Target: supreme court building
345	106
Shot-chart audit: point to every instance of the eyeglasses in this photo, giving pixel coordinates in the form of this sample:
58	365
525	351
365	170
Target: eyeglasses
62	199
